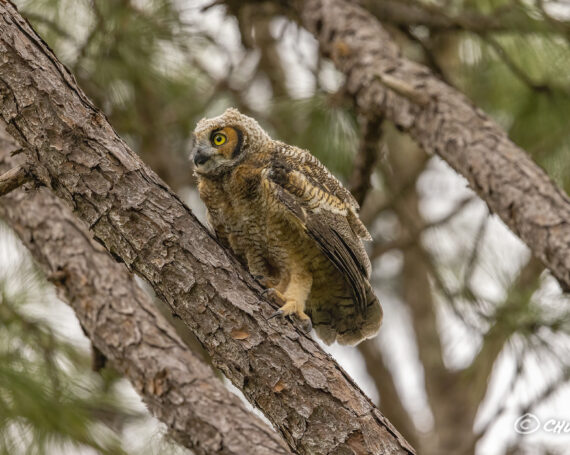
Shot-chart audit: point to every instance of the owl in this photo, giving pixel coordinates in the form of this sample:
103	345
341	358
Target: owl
291	223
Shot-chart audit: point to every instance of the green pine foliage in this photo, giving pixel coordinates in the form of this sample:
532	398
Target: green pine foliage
49	397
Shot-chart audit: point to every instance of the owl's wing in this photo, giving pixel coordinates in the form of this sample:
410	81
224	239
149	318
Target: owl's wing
325	219
320	176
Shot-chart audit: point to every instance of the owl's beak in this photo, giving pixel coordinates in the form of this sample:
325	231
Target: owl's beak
200	157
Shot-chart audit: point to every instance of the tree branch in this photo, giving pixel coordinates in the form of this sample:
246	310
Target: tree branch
507	320
410	13
445	396
409	239
125	325
72	149
517	71
12	179
366	157
502	174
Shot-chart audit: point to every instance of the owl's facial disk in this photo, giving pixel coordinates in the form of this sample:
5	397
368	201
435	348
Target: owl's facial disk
216	149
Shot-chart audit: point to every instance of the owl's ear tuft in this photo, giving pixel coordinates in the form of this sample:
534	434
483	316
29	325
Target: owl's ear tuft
232	111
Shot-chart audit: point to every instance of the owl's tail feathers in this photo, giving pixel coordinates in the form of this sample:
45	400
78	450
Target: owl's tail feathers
339	319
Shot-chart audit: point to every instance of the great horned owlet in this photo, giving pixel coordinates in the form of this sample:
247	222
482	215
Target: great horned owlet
291	222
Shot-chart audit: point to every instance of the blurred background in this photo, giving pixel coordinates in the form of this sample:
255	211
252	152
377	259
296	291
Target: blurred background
476	332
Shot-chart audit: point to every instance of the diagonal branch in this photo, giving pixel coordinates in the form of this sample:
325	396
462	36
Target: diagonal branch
315	406
125	325
502	174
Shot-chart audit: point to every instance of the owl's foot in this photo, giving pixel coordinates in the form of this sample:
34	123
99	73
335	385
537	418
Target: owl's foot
293	308
306	324
274	295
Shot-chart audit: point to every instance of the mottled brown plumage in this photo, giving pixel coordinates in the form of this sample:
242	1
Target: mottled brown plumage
290	222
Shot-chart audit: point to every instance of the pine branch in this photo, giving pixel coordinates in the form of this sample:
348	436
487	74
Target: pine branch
122	321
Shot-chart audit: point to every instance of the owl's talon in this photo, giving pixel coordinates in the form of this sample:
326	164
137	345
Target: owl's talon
292	308
306	325
276	314
304	320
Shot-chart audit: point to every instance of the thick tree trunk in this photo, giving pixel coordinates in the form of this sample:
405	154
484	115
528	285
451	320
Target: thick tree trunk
125	325
444	122
73	150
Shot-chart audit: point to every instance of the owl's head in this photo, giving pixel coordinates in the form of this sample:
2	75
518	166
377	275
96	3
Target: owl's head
222	142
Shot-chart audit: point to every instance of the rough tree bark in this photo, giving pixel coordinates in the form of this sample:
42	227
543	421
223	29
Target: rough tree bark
444	122
73	150
121	320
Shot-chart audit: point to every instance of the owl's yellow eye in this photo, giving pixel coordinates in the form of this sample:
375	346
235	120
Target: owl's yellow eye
219	139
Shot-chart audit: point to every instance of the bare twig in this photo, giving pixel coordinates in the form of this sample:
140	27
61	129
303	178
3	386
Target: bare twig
97	28
475	250
513	67
380	204
13	179
365	160
431	59
409	239
505	323
479	434
547	392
